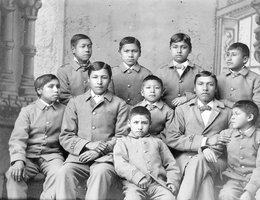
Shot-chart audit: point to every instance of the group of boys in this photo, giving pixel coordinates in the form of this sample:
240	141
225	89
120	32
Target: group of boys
157	137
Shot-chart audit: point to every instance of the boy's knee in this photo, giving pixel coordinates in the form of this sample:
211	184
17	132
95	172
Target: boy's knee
225	195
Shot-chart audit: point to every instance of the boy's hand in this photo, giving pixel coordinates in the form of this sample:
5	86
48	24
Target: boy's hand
17	170
171	188
179	100
102	147
88	156
209	155
217	139
92	145
143	183
246	196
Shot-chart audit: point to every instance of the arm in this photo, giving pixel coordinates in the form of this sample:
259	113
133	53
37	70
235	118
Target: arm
170	165
169	118
176	137
122	165
65	89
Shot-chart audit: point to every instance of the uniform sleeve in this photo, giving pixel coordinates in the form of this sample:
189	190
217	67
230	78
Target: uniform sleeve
176	138
19	137
121	128
169	118
122	165
65	89
69	138
170	165
254	183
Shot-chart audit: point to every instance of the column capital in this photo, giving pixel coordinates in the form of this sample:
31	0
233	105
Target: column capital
30	8
8	5
256	5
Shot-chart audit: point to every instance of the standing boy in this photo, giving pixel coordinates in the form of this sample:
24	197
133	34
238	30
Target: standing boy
238	82
179	74
194	127
73	76
92	122
145	162
242	144
128	76
34	143
161	113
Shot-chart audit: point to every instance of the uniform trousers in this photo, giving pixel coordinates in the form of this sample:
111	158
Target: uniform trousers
18	190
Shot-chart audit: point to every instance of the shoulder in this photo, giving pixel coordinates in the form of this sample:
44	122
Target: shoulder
253	75
64	69
163	67
257	135
144	69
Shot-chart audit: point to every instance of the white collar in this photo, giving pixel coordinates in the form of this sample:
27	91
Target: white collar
211	103
185	64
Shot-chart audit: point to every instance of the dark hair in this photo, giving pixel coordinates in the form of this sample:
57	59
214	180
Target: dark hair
178	37
152	77
98	65
249	107
140	110
206	74
41	81
129	40
75	39
241	47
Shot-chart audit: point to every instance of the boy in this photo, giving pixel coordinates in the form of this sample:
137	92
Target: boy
161	113
238	82
242	145
34	143
128	76
145	162
92	122
73	76
179	74
194	127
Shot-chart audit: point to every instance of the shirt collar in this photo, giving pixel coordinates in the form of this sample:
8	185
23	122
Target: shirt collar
159	104
187	63
211	103
75	64
42	104
216	103
249	132
124	67
244	71
107	95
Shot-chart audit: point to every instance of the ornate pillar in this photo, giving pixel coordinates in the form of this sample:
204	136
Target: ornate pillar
256	5
7	77
30	9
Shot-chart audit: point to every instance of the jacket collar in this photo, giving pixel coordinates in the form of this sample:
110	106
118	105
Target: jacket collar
108	95
244	71
192	65
159	104
217	103
124	68
249	132
75	65
40	104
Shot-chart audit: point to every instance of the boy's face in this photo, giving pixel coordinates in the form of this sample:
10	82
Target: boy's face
180	51
99	81
139	125
240	119
50	91
235	59
130	54
205	89
151	91
83	50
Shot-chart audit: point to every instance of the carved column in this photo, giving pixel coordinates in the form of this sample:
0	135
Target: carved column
256	5
7	77
30	8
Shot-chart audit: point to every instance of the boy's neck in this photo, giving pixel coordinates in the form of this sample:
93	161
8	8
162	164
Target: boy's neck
94	94
238	69
47	103
149	102
245	127
128	66
80	61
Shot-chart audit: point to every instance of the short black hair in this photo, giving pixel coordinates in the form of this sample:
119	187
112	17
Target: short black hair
140	110
75	39
179	37
153	77
249	107
42	80
206	74
241	47
98	65
129	40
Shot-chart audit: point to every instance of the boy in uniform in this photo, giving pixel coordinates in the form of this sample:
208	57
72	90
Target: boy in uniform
92	122
145	163
179	74
73	76
161	113
34	143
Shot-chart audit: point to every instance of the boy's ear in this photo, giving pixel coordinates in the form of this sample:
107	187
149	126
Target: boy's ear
250	117
73	49
245	59
142	92
39	91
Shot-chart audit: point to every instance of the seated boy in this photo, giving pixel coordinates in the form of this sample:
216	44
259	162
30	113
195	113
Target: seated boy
145	162
92	122
242	145
161	113
34	143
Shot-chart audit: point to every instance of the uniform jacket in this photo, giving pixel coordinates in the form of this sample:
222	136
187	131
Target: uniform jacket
176	85
36	132
127	83
244	157
187	130
136	158
162	116
85	121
